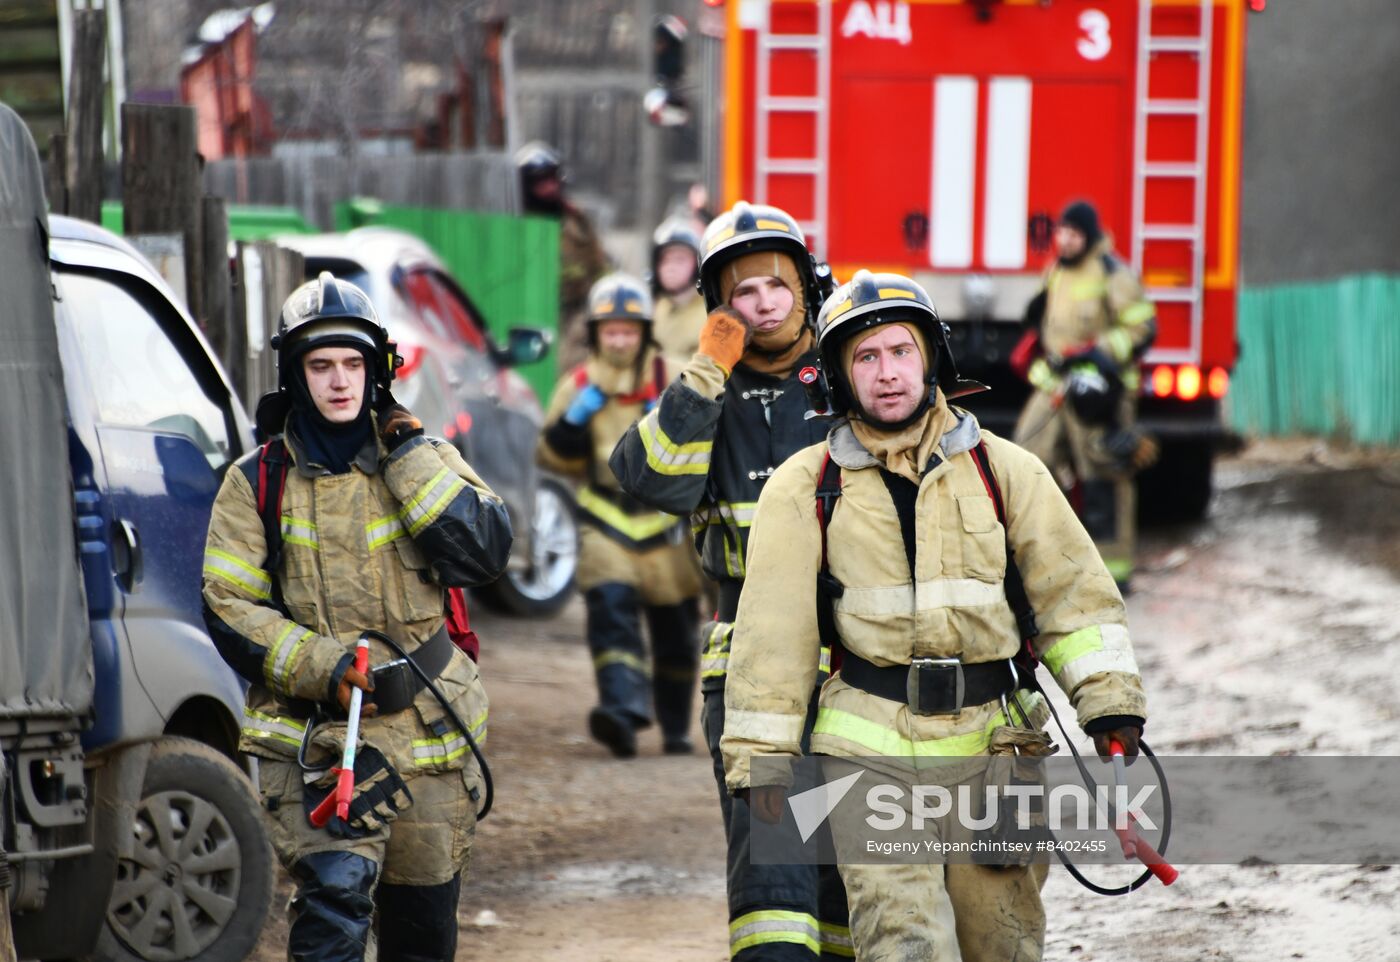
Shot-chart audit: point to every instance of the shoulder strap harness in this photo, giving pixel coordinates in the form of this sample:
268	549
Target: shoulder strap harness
828	492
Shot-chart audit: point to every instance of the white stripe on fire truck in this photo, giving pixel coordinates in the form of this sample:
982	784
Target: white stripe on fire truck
954	171
1008	163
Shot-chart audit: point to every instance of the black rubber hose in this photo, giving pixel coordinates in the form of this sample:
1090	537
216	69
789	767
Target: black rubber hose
1034	684
1090	784
488	784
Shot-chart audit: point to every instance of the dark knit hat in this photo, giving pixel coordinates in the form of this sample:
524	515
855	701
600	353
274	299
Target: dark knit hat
1083	217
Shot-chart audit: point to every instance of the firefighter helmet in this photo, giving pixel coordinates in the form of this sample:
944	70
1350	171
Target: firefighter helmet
537	160
327	312
537	163
869	300
673	232
618	297
749	228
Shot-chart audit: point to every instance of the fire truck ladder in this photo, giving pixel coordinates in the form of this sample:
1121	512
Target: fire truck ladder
1147	170
815	168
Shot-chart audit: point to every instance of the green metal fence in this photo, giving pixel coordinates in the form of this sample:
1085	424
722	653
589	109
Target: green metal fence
1321	359
508	265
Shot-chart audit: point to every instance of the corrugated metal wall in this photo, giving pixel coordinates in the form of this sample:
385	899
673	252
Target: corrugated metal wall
508	265
314	183
1320	358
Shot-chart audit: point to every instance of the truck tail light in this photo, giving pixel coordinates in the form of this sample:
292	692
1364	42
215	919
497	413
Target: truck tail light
1163	380
1188	382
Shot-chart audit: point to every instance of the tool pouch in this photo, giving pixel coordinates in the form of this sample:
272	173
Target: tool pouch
379	795
1015	760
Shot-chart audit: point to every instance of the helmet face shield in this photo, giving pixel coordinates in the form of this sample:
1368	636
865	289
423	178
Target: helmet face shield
311	335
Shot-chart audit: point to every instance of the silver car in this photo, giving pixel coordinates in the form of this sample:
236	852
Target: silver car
462	385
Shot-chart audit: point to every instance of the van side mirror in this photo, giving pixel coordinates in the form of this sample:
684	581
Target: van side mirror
526	345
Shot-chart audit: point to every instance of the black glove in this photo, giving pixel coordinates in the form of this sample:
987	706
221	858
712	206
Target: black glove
1125	729
380	794
1096	356
398	424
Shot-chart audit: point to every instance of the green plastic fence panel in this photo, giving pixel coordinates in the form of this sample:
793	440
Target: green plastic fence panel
1320	359
508	265
246	222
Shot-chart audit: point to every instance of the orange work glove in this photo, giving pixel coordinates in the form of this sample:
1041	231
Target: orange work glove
723	337
357	679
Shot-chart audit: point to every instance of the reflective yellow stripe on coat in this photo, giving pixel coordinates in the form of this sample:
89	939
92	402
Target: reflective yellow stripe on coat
277	728
767	927
665	456
638	527
237	572
879	739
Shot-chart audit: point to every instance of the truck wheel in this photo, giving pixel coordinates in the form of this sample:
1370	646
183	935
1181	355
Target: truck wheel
199	879
546	586
1178	487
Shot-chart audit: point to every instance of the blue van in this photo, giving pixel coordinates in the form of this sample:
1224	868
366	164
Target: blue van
129	831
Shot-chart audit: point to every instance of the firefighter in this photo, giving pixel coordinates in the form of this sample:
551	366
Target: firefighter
917	580
707	449
373	520
633	560
1095	324
582	259
675	268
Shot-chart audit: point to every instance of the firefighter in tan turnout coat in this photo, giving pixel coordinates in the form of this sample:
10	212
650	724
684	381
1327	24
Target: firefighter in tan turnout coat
373	520
633	559
1095	325
915	542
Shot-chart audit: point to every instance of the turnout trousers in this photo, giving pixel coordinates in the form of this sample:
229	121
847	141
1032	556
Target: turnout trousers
777	913
1104	497
410	869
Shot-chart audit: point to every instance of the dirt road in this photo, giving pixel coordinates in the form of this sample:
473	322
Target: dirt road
1271	628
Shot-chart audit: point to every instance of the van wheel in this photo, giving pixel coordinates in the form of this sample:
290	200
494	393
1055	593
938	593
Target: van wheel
547	584
199	878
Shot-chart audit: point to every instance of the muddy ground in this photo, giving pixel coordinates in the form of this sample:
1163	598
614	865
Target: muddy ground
1272	627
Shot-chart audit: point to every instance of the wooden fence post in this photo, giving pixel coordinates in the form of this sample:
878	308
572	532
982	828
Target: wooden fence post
161	192
267	275
83	169
215	280
56	173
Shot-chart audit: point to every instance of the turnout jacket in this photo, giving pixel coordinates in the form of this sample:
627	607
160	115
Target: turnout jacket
582	452
1096	303
371	549
953	605
708	448
677	329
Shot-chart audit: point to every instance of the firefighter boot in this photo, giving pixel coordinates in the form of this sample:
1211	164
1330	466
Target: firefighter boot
615	640
333	907
418	923
674	633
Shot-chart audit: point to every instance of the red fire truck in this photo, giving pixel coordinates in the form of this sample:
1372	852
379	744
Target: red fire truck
941	138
